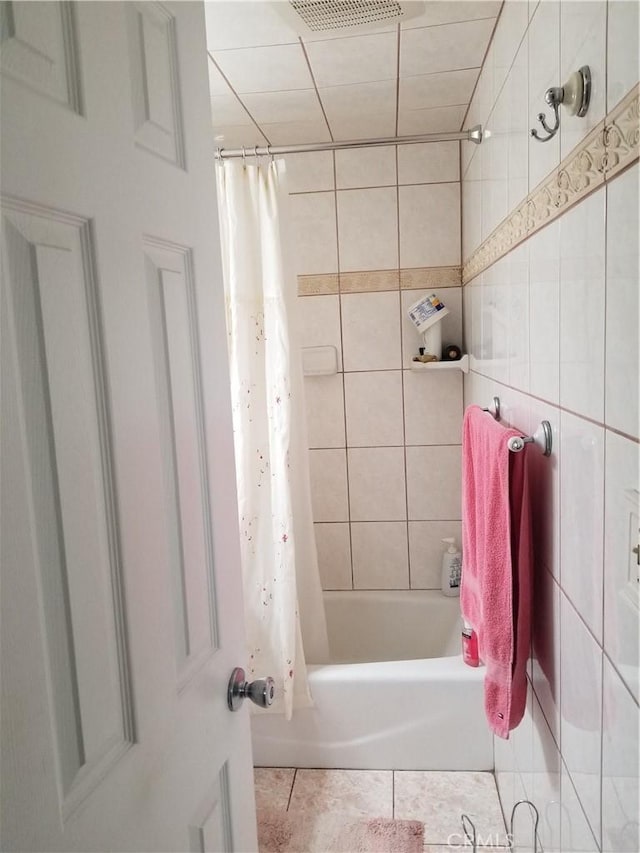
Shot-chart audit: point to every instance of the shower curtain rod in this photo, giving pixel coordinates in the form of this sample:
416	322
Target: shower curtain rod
472	135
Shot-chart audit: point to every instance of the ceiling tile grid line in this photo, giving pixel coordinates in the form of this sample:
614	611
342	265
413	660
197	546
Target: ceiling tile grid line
319	39
356	59
486	53
219	75
260	24
221	90
445	48
265	69
412	79
315	86
416	78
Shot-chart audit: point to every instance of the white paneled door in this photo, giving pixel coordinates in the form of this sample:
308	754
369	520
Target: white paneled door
121	589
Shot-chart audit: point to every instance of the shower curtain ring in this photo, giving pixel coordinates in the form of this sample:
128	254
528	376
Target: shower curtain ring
270	153
244	156
255	152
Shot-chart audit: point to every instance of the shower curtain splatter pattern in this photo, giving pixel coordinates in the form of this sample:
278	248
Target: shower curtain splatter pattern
256	282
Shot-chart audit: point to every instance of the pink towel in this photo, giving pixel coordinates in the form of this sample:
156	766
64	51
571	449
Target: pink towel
495	594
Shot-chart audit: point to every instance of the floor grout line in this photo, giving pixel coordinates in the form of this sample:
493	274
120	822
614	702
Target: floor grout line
483	809
393	794
293	782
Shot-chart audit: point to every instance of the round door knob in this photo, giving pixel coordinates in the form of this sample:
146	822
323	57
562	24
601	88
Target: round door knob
262	691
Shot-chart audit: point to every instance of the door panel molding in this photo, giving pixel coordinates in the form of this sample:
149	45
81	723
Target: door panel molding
155	86
54	317
172	307
211	828
39	49
108	740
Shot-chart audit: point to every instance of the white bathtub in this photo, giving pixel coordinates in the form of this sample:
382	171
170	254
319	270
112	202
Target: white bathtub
397	697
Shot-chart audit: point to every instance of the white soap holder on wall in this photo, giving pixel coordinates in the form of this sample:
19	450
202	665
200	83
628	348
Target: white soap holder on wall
319	361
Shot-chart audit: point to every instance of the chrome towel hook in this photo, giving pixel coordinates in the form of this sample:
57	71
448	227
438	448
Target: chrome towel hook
494	408
575	96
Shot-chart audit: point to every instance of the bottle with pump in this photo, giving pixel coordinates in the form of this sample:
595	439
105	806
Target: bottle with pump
451	568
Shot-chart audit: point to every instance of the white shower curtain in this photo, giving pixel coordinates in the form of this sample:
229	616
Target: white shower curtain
280	570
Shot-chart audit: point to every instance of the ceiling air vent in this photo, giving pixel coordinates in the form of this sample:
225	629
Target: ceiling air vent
336	16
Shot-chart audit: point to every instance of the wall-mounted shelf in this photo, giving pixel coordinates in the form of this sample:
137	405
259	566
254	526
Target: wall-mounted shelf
461	364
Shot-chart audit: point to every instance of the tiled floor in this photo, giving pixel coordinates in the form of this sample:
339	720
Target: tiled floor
437	799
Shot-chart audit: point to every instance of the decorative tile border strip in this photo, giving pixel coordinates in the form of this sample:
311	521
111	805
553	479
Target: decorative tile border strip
582	171
318	285
369	281
622	134
430	277
611	146
372	281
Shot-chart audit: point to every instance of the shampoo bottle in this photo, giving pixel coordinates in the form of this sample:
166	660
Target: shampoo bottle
469	646
451	568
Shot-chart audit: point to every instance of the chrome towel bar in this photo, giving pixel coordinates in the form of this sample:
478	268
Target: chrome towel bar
542	437
494	408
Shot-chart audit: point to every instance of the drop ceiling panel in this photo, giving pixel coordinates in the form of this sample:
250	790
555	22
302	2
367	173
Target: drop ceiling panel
277	107
227	109
369	99
444	48
265	69
437	90
297	133
250	23
235	136
354	60
439	12
352	79
438	120
363	127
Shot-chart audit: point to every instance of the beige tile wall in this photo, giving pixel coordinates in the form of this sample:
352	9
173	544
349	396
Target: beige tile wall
552	329
375	229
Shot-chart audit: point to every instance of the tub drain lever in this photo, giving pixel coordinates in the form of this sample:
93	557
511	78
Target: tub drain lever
261	691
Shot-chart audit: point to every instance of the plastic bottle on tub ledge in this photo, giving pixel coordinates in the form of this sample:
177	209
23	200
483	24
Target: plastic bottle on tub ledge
469	645
451	568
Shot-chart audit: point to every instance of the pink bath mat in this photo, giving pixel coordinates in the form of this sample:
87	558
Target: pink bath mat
282	832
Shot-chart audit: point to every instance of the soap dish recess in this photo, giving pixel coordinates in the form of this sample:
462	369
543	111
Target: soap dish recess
319	361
